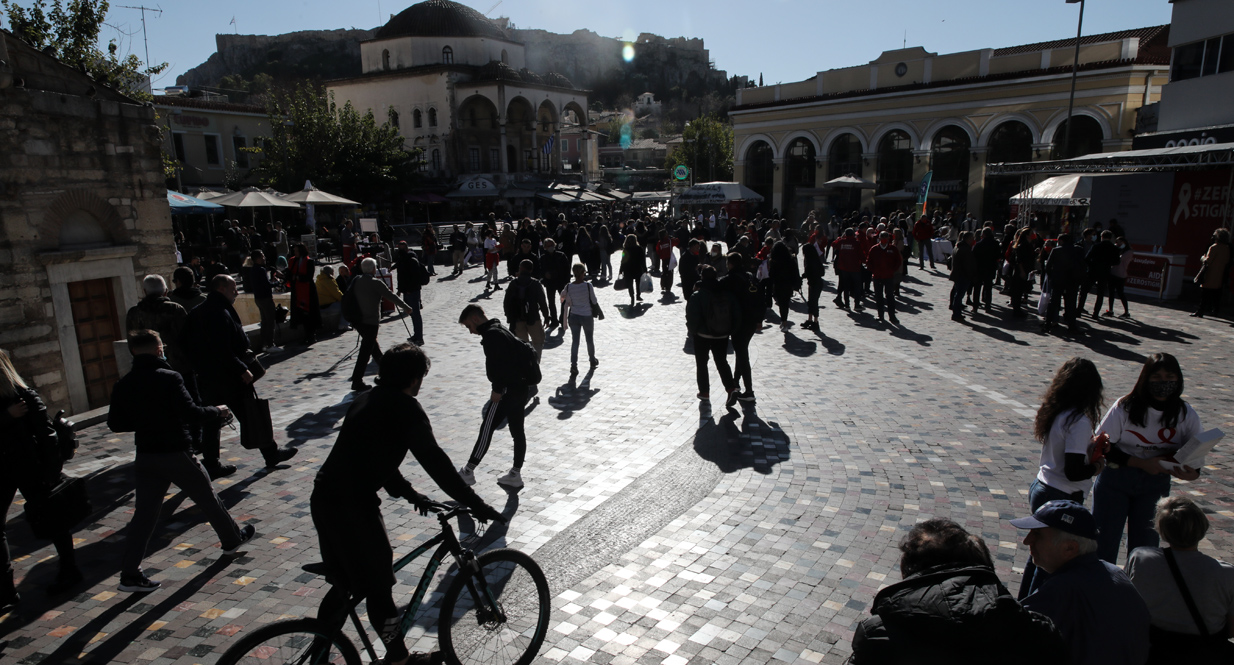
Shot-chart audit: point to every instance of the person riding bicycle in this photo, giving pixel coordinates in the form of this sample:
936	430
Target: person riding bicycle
381	426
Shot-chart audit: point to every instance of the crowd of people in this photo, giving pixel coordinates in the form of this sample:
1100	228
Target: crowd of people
194	372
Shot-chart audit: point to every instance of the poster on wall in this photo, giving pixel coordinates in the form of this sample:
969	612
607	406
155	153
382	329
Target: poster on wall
1139	201
1147	272
1200	205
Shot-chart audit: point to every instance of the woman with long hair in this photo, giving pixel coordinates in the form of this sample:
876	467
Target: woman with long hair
1146	427
1022	257
1213	273
1064	426
29	461
633	266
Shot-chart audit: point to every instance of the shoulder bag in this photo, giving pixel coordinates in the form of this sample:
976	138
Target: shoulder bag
595	304
1170	647
257	424
58	511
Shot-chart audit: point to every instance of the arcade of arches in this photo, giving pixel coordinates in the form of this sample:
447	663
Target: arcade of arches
487	141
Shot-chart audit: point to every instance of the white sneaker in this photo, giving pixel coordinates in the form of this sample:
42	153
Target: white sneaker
513	480
274	349
467	475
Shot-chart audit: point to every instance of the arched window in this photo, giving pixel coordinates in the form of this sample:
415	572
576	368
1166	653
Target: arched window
416	120
760	171
447	56
432	117
844	157
1012	141
81	229
799	171
394	118
436	159
385	59
949	155
1086	137
505	58
895	161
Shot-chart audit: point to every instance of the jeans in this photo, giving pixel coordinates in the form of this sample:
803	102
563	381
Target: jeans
718	349
884	296
741	349
511	408
369	349
1126	497
1039	494
156	472
588	326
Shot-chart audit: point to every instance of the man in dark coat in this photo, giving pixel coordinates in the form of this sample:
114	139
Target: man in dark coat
555	274
218	348
687	268
988	255
963	272
412	276
951	608
1100	258
1065	270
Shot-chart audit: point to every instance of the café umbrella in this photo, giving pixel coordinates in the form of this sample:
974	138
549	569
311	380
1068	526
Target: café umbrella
254	198
313	196
850	181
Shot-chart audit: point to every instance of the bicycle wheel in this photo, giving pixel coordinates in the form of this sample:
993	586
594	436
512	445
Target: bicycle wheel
470	632
292	642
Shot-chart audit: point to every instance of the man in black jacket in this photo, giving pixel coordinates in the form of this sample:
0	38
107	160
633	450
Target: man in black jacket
381	427
951	608
687	268
1065	271
219	350
411	278
526	307
509	396
257	284
988	255
151	401
1100	258
749	296
555	274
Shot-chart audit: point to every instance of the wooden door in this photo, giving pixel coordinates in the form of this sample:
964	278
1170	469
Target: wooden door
98	326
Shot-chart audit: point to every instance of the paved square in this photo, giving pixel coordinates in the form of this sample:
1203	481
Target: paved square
670	532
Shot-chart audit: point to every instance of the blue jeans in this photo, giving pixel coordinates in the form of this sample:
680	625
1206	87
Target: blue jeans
588	327
1127	497
1039	494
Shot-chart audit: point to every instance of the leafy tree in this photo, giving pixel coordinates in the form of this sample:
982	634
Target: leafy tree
707	148
70	32
338	148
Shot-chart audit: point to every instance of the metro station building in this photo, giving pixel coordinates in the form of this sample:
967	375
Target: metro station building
911	111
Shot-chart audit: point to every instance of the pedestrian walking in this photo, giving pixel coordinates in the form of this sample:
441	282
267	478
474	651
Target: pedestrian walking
257	283
554	274
412	277
633	267
1214	273
987	256
219	352
745	290
580	308
151	402
814	256
884	263
963	271
526	307
511	367
848	260
492	259
785	277
1065	272
1118	278
458	249
369	292
1145	428
687	267
711	317
923	233
1101	257
305	307
429	245
30	461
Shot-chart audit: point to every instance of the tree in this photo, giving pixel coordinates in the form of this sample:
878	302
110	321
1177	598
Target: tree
706	148
338	148
70	33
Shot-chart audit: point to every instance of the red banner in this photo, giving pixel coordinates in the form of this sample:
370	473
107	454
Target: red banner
1199	206
1147	272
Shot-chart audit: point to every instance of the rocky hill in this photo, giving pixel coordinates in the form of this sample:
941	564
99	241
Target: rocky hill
310	54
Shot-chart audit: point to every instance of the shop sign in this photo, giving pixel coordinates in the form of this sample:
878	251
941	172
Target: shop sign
186	120
1147	272
681	172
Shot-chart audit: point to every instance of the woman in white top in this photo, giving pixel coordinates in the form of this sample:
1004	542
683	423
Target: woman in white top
1175	634
577	301
1146	427
1064	426
492	258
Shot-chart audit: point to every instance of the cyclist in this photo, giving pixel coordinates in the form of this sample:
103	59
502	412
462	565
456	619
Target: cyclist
381	426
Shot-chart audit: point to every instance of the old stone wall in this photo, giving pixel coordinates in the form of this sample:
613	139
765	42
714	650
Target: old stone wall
70	151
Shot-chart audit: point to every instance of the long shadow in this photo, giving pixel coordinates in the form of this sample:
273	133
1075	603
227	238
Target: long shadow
1146	331
669	298
317	425
329	371
573	395
994	333
799	347
834	346
1100	344
555	338
905	333
628	312
754	444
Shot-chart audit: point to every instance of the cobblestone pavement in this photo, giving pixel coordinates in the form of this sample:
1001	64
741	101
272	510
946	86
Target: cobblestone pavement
671	533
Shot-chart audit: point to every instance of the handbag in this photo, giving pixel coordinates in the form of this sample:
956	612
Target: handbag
621	283
57	513
257	424
595	304
1043	303
1166	646
66	435
253	363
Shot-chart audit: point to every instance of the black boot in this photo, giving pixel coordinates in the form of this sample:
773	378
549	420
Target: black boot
8	593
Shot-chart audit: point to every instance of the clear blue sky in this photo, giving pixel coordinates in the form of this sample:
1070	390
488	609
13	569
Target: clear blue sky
785	40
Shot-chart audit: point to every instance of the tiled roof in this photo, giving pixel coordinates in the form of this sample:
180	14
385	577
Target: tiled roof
1146	35
206	104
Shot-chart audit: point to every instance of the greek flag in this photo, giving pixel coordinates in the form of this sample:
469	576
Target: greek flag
548	145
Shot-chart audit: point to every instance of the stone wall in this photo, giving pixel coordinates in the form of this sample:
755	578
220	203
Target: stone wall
71	151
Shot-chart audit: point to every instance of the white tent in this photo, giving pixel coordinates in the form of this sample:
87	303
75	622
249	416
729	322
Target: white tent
717	193
1061	190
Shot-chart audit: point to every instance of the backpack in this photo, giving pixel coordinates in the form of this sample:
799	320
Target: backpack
523	356
526	306
719	314
750	297
421	276
351	304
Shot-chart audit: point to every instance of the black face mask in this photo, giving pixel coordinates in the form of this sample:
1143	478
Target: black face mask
1162	390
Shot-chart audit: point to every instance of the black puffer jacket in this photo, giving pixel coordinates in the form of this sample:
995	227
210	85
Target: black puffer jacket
29	453
949	615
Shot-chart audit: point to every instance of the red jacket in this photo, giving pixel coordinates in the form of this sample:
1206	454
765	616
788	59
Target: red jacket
883	261
848	254
923	230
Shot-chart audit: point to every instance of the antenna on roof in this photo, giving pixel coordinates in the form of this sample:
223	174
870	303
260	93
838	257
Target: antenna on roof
490	9
152	10
905	45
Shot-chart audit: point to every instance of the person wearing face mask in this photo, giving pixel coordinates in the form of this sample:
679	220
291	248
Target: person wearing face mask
1146	427
1118	277
884	262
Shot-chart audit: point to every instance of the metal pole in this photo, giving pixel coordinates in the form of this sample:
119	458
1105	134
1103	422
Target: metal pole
1075	65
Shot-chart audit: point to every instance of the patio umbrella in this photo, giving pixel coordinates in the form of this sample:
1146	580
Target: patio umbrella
182	204
254	198
209	194
850	181
314	196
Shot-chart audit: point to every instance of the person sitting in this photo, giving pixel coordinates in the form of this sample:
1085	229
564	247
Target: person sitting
951	608
1101	616
1190	595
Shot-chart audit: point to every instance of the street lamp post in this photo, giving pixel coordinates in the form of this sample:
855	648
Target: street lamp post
1075	66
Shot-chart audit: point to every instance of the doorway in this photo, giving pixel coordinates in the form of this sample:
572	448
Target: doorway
97	326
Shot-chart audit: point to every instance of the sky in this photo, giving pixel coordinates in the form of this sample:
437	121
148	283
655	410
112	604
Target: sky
784	40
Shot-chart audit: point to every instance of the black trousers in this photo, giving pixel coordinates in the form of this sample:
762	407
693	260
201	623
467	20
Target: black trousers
814	290
1063	295
741	349
687	287
850	287
10	482
233	395
369	349
511	408
718	350
884	296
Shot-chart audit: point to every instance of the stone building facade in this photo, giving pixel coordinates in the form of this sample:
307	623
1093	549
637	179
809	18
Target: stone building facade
84	216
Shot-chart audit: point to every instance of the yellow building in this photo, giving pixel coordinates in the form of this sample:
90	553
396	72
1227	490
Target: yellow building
911	111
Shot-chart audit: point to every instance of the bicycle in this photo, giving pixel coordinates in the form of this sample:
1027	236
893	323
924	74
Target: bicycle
495	610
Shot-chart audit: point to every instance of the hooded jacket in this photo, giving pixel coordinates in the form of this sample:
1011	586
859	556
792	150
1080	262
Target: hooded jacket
954	614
